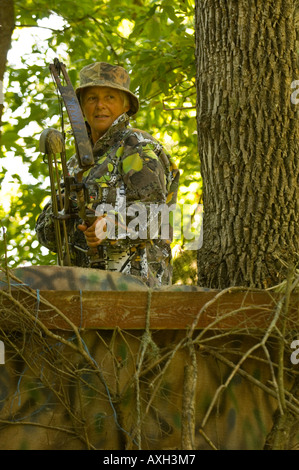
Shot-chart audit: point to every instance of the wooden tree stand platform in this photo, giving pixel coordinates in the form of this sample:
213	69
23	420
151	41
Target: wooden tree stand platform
128	304
97	360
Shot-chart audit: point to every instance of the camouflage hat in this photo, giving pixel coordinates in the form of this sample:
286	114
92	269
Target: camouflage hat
113	76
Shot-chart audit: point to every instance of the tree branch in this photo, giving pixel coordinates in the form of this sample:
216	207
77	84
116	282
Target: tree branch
7	25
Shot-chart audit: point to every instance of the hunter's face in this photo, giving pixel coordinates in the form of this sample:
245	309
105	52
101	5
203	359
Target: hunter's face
101	106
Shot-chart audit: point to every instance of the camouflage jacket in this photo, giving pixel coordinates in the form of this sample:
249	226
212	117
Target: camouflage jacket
132	175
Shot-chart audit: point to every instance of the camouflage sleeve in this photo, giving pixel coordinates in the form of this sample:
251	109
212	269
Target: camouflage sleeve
143	173
147	174
45	228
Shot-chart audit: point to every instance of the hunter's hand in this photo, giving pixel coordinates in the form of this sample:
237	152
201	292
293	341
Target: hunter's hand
96	233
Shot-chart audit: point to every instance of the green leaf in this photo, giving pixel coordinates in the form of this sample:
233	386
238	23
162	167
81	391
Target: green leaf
132	162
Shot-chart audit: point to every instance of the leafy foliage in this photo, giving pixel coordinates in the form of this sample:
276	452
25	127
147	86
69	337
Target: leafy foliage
153	40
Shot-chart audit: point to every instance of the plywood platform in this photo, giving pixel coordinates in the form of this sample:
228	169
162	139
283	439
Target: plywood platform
106	301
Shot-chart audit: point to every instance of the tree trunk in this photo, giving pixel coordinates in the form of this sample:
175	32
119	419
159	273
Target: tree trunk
248	141
7	24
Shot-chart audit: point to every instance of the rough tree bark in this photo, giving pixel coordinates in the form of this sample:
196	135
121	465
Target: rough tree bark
248	141
7	24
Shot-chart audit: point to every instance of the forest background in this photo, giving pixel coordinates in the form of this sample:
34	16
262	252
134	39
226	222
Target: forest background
154	41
